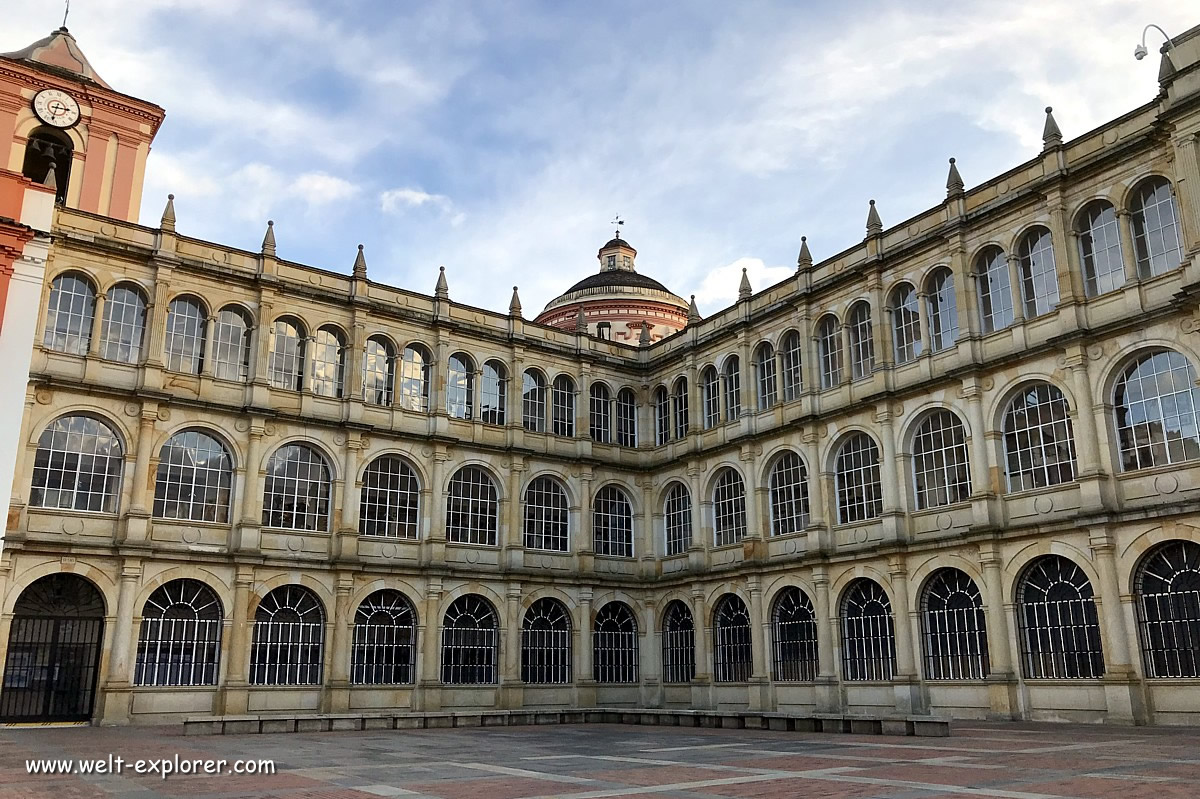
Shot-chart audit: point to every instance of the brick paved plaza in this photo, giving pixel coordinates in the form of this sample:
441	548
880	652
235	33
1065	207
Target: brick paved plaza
1013	761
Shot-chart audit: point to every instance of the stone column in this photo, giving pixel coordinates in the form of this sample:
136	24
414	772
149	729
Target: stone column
847	351
511	689
1094	491
118	694
1122	689
760	672
1128	253
429	643
336	696
702	682
585	678
755	547
141	493
820	539
433	547
1015	287
347	538
894	492
584	545
906	683
238	634
97	326
650	651
1002	681
828	695
1187	190
923	317
210	335
513	538
252	498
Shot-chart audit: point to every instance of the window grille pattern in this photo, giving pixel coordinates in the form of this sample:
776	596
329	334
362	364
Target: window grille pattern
862	342
732	650
1059	626
285	366
1039	281
77	466
1039	447
379	366
794	636
1155	228
1100	249
710	396
1167	597
296	490
390	500
600	413
733	388
791	372
460	387
677	519
231	344
179	642
955	632
470	640
941	473
678	644
1155	411
612	523
679	404
868	634
69	315
533	401
414	378
385	636
562	400
995	290
768	384
788	495
942	308
472	508
183	349
662	416
194	480
627	418
546	643
547	516
729	508
289	638
493	400
829	347
327	366
124	324
859	492
906	324
615	645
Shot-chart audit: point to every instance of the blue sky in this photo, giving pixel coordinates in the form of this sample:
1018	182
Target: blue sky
498	138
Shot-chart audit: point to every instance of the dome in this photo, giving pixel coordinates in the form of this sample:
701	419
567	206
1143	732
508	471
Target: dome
617	277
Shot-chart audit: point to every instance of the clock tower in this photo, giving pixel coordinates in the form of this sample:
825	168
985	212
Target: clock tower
62	126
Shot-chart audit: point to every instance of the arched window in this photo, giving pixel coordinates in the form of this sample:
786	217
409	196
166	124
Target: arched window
995	289
954	629
183	349
829	347
1155	228
615	645
1154	407
862	342
906	324
231	344
764	367
195	479
662	416
77	466
1039	282
48	149
546	643
729	508
547	525
562	396
460	386
414	378
69	315
942	309
790	352
868	636
859	492
1166	588
385	638
289	638
179	642
794	635
379	368
1059	626
493	401
627	418
710	396
679	405
533	401
296	491
678	644
285	366
612	523
1100	248
600	413
733	388
470	639
472	508
732	654
327	366
789	495
124	324
941	474
390	501
677	519
1039	447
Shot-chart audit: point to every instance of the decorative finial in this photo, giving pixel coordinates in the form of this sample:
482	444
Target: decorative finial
617	222
514	305
1165	68
744	290
168	215
51	181
442	289
360	265
580	321
1051	135
804	260
644	338
693	312
954	181
268	245
874	223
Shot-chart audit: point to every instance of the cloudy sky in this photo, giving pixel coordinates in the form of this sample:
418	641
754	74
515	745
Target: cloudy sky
499	138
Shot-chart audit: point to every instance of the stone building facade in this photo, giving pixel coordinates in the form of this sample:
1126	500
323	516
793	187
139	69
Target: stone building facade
953	469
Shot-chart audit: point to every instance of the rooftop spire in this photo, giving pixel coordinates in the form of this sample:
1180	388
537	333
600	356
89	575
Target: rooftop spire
874	223
360	265
1051	135
514	305
442	290
804	260
580	321
644	338
268	245
954	181
693	312
744	290
168	215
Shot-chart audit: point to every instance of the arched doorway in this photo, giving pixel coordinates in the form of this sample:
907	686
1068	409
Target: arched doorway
53	651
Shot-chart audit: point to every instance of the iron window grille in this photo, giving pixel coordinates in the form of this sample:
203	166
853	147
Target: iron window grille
710	395
470	638
285	366
955	631
77	466
859	492
729	508
414	379
384	640
679	405
862	342
379	366
327	366
733	388
493	400
615	645
1155	410
390	500
1167	597
69	315
124	324
995	290
794	635
662	416
768	386
600	413
297	490
906	324
1155	228
546	643
1039	280
788	495
627	418
183	347
941	471
942	309
790	358
677	519
231	344
612	523
1100	249
868	634
289	638
472	508
678	644
547	516
533	401
732	648
562	400
829	347
460	387
195	479
179	642
1059	625
1039	446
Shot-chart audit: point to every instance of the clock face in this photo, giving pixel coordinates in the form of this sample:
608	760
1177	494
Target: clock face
56	108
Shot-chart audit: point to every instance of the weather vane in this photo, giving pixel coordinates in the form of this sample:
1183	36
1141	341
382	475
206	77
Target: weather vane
617	220
66	13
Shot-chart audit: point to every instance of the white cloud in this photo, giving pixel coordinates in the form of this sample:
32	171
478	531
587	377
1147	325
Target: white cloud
720	286
397	201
